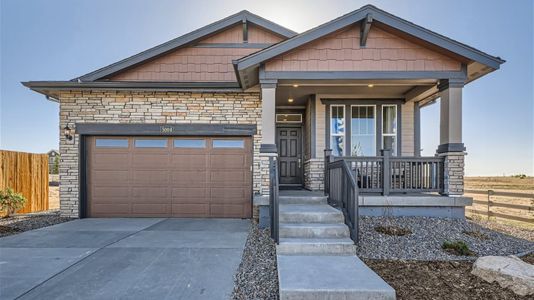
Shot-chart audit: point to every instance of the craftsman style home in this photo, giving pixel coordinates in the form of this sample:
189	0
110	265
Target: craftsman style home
191	127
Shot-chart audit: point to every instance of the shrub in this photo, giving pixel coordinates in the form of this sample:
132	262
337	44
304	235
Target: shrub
520	176
393	230
10	201
55	168
457	248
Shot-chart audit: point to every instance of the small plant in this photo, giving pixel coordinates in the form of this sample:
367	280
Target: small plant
393	230
55	167
459	248
520	176
10	201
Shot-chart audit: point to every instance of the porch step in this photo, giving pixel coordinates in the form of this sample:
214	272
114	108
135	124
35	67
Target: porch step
295	199
314	230
315	246
309	213
329	277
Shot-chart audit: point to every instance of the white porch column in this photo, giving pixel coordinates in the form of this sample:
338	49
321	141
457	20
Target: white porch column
451	144
268	131
268	122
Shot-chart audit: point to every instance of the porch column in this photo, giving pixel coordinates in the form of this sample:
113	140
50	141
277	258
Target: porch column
268	131
451	145
268	122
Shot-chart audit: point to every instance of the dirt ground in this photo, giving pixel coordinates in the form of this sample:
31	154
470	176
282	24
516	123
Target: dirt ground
438	280
501	183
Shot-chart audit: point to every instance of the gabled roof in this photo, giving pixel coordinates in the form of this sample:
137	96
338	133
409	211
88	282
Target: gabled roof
186	39
255	59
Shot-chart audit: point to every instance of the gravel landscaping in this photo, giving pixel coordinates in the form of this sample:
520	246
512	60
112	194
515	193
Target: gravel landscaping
257	276
427	237
20	223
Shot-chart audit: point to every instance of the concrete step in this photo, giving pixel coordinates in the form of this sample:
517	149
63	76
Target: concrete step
316	246
329	277
314	230
303	199
301	213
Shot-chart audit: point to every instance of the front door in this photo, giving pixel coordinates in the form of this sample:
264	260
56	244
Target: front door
289	141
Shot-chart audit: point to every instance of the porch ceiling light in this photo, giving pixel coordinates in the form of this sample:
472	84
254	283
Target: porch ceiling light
295	85
290	100
370	85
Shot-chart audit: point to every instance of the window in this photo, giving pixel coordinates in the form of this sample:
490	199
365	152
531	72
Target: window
337	129
151	143
112	143
189	143
288	118
363	130
389	128
228	144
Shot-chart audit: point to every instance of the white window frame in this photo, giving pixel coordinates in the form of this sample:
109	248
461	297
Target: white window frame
376	127
394	135
344	134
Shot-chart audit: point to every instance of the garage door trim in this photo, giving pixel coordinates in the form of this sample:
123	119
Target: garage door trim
85	130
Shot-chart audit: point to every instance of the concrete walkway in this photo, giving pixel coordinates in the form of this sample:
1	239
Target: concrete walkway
124	258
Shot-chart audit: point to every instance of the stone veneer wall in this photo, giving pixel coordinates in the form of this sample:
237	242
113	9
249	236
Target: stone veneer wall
454	173
131	107
314	174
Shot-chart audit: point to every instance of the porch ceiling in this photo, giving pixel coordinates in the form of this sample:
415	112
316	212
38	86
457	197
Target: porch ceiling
345	89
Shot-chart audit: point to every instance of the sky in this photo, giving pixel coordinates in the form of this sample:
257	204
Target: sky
63	39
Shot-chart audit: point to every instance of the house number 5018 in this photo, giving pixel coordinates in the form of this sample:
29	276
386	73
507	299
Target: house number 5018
165	129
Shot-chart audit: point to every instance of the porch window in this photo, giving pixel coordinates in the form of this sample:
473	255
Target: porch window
389	128
363	130
337	129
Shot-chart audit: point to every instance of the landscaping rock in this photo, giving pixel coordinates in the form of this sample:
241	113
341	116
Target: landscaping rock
509	271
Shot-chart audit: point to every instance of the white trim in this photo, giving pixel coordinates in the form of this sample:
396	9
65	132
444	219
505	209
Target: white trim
394	151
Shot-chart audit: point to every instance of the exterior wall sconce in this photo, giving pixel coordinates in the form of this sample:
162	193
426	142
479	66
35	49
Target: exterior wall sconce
68	133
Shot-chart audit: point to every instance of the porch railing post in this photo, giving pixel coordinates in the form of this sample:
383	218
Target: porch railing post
386	171
326	175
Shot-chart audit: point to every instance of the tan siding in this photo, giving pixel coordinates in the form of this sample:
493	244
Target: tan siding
258	35
188	64
320	125
342	52
197	64
407	129
231	35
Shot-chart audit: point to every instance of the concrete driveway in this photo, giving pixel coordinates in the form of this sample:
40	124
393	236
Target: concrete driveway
124	259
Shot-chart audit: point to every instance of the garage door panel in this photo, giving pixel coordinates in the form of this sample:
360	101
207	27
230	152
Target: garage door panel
152	208
110	178
194	193
188	179
150	178
111	161
185	179
148	192
147	161
189	162
223	162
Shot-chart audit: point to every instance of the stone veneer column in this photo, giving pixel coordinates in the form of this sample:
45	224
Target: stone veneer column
451	146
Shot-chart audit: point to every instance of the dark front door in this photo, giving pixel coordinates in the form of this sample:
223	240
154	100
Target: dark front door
290	154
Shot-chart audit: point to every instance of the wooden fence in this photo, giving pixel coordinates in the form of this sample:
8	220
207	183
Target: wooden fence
522	213
26	173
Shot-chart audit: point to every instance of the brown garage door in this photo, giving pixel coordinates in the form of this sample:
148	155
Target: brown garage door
169	177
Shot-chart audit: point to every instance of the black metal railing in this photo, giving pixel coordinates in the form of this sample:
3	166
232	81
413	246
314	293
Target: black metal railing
274	210
391	174
342	191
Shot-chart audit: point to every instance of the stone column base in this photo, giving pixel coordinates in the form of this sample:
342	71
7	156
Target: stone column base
453	181
314	174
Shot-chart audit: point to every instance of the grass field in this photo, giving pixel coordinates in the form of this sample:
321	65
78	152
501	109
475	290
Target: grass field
503	184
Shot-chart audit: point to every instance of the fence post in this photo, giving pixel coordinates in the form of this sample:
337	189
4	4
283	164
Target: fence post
386	171
490	192
326	175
